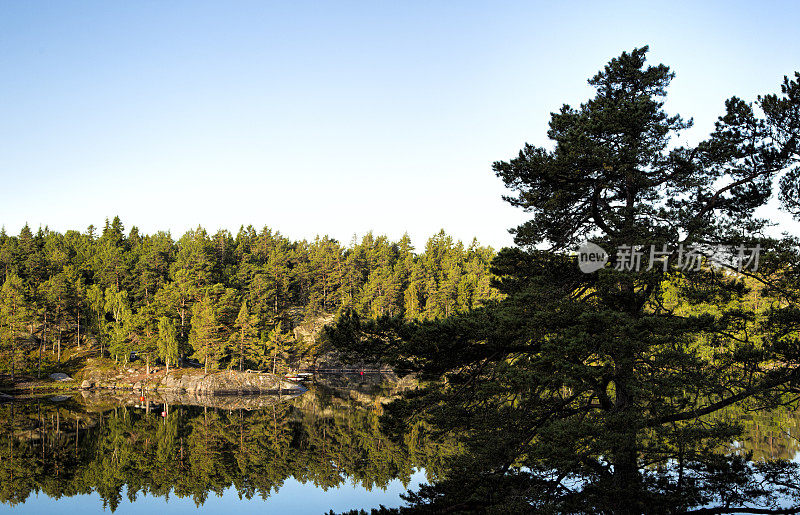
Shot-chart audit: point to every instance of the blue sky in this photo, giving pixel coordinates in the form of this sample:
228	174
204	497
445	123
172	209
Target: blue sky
331	118
292	497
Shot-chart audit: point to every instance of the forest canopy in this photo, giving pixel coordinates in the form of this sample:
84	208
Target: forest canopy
228	301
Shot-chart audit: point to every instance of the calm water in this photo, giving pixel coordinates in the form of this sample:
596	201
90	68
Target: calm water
311	453
322	450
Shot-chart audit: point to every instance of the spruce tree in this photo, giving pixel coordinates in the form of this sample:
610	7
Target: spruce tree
97	304
121	325
204	336
167	341
277	346
245	337
14	311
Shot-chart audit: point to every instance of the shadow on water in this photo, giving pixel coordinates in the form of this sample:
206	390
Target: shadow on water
121	445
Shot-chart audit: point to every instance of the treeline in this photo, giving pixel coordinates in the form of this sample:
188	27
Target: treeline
222	299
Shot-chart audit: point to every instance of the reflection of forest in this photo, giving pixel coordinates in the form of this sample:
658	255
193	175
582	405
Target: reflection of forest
327	437
767	434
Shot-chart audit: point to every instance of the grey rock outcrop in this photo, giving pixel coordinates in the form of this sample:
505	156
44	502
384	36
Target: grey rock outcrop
227	382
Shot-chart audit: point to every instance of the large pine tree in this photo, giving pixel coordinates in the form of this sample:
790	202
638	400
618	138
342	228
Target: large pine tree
588	392
14	311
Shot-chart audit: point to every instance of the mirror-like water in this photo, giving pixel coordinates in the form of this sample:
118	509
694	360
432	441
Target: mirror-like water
305	454
311	453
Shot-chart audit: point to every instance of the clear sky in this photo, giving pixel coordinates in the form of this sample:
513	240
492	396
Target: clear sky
331	117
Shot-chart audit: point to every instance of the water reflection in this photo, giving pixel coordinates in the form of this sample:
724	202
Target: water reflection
769	435
118	446
192	447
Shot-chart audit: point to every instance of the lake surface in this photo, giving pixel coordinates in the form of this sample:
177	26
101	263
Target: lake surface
125	453
319	451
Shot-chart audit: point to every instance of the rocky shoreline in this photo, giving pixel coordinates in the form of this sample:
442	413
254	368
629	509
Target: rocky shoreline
227	382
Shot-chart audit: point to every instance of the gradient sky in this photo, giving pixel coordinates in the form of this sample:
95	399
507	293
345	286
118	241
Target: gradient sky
331	118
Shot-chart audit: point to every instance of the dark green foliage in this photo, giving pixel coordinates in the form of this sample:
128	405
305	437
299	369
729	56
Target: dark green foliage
119	294
594	393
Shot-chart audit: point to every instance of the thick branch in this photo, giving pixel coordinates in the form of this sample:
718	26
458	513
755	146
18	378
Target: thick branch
711	408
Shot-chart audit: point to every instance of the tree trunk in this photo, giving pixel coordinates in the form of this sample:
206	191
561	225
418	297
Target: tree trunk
241	351
626	474
13	351
11	438
627	481
13	339
182	313
78	335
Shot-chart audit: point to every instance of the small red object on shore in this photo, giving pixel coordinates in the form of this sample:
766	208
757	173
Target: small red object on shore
164	414
141	399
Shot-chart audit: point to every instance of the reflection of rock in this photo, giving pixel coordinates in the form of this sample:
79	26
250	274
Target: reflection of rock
5	398
60	376
383	384
368	391
87	384
102	400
